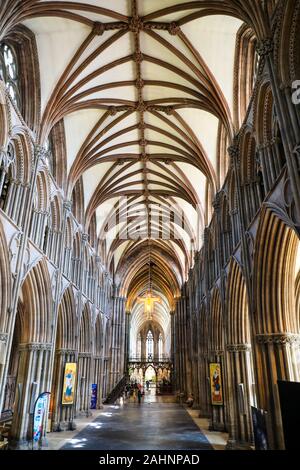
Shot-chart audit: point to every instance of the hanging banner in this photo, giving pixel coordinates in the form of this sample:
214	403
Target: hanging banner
94	397
69	383
216	384
40	408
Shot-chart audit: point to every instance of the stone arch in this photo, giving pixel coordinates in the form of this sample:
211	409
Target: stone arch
42	199
23	149
56	213
37	300
287	39
238	327
274	293
217	339
240	374
4	118
5	282
65	350
203	342
35	310
275	321
271	155
217	355
84	362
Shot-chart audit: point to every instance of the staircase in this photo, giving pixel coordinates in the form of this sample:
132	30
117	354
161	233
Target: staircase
116	392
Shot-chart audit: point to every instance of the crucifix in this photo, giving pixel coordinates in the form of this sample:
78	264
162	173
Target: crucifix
148	300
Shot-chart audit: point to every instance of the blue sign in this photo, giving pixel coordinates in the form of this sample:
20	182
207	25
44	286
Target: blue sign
94	397
40	408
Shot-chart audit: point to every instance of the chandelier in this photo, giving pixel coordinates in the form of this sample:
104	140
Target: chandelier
148	300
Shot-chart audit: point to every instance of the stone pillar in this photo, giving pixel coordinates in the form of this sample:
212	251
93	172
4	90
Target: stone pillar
33	369
239	387
277	358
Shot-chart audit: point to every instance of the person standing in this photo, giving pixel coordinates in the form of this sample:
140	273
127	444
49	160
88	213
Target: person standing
139	394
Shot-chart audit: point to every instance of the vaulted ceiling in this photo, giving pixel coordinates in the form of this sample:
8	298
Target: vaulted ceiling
142	87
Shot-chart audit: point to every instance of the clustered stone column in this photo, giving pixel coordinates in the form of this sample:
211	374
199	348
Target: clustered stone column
117	339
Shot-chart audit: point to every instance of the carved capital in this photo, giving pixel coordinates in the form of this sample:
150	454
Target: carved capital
3	338
67	205
265	47
217	202
65	351
40	152
85	354
85	237
234	155
279	338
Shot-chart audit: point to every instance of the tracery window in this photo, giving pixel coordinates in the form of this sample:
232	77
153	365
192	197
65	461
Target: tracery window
150	345
160	347
9	72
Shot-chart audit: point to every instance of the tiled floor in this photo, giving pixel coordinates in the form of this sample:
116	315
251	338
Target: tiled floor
156	424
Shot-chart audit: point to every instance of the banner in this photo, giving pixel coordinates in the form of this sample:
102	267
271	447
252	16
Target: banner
94	397
69	383
40	409
216	384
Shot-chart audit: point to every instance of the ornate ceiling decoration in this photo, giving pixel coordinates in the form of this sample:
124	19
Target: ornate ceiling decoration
140	105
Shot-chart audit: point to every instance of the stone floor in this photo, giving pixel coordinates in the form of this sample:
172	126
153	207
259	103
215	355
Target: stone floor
158	423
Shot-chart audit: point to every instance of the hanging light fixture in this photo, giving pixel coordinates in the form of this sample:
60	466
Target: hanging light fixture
149	299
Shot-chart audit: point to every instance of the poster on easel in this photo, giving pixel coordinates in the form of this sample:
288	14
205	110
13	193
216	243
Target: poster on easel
216	383
68	394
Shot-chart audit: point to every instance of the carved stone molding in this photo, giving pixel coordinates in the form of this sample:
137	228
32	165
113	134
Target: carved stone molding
217	352
278	338
65	351
3	337
238	348
234	154
265	47
35	347
67	205
85	354
217	202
